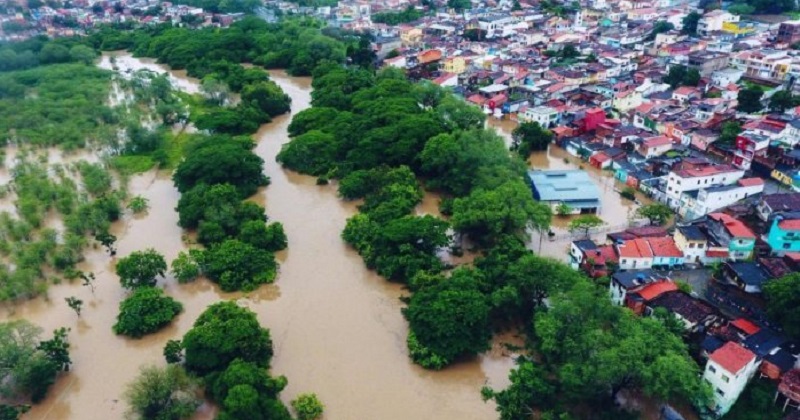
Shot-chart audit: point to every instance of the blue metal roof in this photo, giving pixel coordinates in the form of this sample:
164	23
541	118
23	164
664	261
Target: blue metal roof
571	186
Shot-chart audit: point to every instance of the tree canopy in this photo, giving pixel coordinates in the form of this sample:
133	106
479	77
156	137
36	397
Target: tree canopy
140	268
529	137
749	100
30	365
657	213
145	311
783	302
162	393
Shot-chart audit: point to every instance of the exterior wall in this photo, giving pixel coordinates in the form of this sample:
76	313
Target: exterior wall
677	184
667	261
692	250
726	391
627	263
618	293
782	241
741	248
709	201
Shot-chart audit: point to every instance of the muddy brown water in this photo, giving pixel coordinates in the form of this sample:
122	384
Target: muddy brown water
337	327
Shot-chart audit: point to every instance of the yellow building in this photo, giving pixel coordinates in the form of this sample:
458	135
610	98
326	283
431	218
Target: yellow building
781	177
456	65
625	101
411	37
738	28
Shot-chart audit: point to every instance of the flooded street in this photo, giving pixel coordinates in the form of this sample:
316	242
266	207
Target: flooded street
617	212
337	327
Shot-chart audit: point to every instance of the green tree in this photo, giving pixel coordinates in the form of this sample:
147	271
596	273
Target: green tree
690	23
730	130
83	54
563	209
75	304
459	5
185	267
749	100
660	26
225	332
458	114
307	407
530	136
657	213
267	97
162	393
741	9
781	101
262	236
783	302
530	390
485	215
450	318
145	311
236	265
222	161
583	224
30	366
141	268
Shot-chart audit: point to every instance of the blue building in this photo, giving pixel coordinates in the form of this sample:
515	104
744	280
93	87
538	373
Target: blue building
571	187
784	233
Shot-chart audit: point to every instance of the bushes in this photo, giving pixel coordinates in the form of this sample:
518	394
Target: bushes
145	311
235	265
31	365
162	393
141	268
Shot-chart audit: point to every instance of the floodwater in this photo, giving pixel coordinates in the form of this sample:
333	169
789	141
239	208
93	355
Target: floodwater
337	327
617	212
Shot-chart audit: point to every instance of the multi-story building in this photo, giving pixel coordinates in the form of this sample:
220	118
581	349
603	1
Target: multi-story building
763	64
707	62
727	371
729	233
693	176
749	144
546	116
698	203
789	32
692	243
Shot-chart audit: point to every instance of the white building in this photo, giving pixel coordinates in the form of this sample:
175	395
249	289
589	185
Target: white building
713	21
546	116
728	370
698	203
699	176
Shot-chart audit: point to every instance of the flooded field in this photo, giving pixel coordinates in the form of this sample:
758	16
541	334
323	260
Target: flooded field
337	327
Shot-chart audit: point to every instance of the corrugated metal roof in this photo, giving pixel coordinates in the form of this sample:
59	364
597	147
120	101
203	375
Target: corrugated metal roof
565	185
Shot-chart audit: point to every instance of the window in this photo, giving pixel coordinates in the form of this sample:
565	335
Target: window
712	369
624	261
787	245
691	245
700	246
721	394
725	378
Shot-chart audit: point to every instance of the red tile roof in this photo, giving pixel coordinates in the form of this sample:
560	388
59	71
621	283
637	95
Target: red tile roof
748	327
664	247
657	141
736	228
732	357
791	224
654	290
749	182
716	254
636	248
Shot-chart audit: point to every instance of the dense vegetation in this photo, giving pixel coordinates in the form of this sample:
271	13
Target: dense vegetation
29	364
378	134
231	352
162	393
410	14
783	303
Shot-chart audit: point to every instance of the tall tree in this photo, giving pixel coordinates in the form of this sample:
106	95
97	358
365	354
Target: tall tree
749	100
583	224
657	213
530	136
690	23
783	302
141	268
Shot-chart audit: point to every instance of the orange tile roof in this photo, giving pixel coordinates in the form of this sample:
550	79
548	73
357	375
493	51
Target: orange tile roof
654	290
732	357
636	248
716	254
746	326
657	141
734	226
664	247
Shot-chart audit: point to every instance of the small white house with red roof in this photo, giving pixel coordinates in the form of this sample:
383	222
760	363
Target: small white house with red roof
728	370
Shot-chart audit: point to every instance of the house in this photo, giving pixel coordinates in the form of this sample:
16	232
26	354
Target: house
747	276
713	21
571	187
624	282
692	176
546	116
692	243
637	300
698	203
769	204
578	250
694	313
728	232
789	32
728	371
635	253
665	252
784	233
684	94
655	146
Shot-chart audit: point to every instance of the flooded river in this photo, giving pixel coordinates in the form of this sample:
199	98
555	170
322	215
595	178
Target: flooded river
337	327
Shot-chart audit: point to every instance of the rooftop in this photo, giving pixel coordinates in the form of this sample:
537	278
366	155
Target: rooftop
733	226
732	357
654	290
571	186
